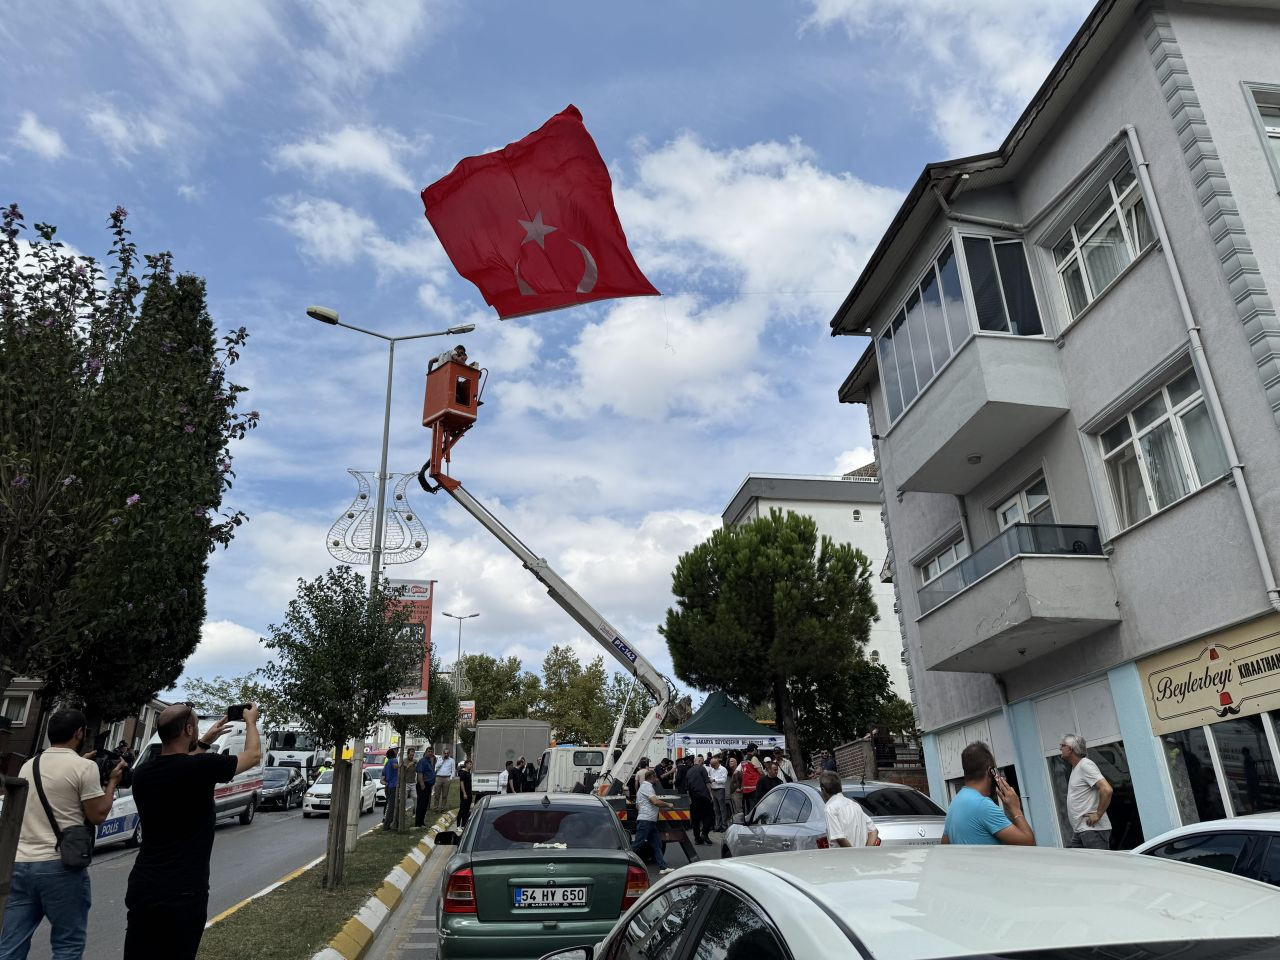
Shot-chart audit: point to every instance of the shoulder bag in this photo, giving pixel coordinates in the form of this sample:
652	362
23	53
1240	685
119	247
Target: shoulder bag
74	844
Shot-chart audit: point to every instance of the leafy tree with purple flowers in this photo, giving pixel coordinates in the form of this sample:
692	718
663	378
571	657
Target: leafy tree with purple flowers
116	424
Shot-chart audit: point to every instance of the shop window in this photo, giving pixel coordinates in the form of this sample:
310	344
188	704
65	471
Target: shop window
1247	765
1113	762
1195	784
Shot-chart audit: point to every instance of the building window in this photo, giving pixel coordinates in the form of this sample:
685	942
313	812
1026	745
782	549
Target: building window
1162	451
903	657
857	516
1029	505
1265	100
1226	769
875	656
932	323
15	706
1105	239
943	560
1003	297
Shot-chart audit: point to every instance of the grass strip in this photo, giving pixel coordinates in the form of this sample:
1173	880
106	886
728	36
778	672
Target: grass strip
298	919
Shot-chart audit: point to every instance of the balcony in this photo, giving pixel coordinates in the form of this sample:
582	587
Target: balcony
1031	590
993	398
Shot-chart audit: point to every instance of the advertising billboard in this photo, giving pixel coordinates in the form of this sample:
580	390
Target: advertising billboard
417	595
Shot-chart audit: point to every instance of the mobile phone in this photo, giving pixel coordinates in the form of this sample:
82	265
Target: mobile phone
236	712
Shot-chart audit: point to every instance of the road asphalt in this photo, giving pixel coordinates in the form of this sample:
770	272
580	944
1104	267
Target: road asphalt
245	859
411	934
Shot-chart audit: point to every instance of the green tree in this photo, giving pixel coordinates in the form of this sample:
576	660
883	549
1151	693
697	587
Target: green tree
768	610
116	418
898	716
339	656
442	708
214	695
616	693
573	697
847	702
502	689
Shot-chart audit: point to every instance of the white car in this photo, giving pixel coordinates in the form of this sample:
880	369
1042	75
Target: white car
122	824
934	902
316	799
1247	846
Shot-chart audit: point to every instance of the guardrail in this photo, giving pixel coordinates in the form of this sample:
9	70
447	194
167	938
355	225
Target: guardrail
1021	539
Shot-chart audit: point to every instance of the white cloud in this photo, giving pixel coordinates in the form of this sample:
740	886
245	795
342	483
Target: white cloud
368	151
852	460
41	140
368	38
975	65
124	135
784	227
226	648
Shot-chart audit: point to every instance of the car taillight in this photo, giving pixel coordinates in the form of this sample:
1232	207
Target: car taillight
460	893
822	844
637	884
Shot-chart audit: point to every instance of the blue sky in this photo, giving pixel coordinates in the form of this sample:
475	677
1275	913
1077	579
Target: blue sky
758	151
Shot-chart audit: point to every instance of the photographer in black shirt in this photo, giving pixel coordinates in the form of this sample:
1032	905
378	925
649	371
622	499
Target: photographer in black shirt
168	895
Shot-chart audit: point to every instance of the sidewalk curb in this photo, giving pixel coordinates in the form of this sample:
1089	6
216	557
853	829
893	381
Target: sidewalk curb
353	940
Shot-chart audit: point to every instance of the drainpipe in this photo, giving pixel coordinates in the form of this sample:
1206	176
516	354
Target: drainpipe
964	521
950	214
1201	363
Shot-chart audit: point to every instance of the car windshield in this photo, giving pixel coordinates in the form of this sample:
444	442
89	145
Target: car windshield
326	777
275	774
897	802
1236	949
547	828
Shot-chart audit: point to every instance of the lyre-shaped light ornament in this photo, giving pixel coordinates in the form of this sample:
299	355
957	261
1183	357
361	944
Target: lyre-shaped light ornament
404	536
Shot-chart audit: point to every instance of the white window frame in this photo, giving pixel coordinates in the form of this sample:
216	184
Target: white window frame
994	240
1020	500
1263	98
1122	204
957	547
1174	415
24	698
857	516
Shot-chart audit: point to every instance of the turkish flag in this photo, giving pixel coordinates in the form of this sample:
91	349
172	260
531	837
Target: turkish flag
533	224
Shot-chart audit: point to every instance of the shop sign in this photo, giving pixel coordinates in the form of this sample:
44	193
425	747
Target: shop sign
1233	673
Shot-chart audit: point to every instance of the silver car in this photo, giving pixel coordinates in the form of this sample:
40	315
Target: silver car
791	817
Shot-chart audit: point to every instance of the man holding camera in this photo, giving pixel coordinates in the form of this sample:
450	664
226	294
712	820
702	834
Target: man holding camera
42	886
168	895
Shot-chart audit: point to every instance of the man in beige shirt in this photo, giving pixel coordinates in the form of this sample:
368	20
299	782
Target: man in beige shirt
42	886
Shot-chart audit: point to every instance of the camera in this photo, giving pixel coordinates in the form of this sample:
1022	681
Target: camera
106	761
236	712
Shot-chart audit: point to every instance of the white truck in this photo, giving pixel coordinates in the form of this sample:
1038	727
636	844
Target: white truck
498	741
291	746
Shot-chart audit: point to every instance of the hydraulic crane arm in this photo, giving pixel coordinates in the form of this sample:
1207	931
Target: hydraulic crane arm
615	775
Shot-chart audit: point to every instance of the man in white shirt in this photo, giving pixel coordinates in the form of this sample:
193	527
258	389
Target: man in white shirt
1088	796
42	887
647	804
719	782
444	775
847	823
785	769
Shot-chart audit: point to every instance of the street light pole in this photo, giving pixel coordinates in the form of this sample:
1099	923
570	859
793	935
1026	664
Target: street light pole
329	316
457	667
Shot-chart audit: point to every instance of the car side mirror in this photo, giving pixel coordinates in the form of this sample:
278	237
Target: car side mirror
573	953
446	838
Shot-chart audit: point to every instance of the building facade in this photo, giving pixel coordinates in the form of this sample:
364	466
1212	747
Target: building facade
1073	385
847	509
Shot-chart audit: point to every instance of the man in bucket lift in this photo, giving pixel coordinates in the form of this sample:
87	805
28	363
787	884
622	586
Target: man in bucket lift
458	355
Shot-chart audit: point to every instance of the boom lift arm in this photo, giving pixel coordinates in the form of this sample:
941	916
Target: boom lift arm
445	395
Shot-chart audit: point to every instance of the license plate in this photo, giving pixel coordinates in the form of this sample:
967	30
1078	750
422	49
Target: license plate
322	804
550	896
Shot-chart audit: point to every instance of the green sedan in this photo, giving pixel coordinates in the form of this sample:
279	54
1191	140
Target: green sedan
533	873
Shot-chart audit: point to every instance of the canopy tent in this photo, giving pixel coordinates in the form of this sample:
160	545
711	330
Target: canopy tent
720	724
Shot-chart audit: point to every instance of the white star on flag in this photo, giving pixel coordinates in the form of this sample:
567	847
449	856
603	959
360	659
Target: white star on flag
535	230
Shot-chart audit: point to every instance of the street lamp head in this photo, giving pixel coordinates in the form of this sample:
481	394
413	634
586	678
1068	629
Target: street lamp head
462	328
323	314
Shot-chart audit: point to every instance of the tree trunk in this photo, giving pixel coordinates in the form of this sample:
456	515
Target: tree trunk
335	844
786	716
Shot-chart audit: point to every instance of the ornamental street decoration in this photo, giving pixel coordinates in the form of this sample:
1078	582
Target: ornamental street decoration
404	537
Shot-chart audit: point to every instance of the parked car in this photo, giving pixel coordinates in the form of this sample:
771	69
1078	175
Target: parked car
791	817
316	799
282	786
535	872
934	902
122	824
1247	846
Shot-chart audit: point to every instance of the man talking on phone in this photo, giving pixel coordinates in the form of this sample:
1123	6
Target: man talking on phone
168	895
974	817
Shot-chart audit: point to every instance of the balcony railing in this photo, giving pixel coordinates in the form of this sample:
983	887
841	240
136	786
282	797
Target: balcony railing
1021	539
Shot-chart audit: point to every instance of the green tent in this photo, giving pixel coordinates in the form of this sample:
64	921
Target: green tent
720	724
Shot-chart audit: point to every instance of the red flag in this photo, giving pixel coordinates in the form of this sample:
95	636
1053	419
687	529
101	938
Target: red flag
533	224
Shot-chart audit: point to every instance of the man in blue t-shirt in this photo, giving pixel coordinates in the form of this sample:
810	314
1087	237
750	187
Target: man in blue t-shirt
974	818
426	771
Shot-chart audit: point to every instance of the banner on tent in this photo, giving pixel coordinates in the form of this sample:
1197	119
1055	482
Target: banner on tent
690	741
